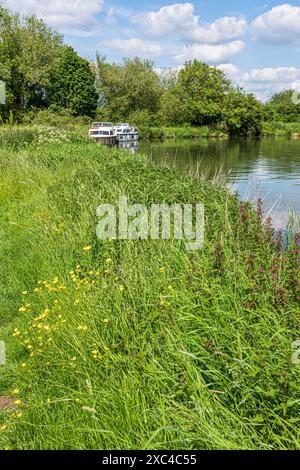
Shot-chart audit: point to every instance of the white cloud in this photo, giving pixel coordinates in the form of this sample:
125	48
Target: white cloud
280	25
264	82
69	16
179	19
221	30
212	54
269	74
133	47
230	70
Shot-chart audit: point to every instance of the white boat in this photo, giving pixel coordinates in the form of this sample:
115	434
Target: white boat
126	133
103	132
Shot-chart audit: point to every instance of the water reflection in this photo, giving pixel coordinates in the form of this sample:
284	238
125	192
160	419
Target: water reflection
264	168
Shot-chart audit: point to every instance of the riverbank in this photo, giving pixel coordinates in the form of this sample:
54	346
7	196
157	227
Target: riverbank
269	129
140	345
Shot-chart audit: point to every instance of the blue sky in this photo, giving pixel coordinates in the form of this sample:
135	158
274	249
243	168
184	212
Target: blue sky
257	43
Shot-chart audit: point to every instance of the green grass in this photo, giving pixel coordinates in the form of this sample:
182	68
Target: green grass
281	129
139	345
155	133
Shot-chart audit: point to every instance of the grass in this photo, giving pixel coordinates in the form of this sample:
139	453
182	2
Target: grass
139	345
187	132
269	129
281	129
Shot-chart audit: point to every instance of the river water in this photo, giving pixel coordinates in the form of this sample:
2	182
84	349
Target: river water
264	168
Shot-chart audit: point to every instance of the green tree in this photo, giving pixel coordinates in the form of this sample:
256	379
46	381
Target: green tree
243	113
283	107
29	54
74	87
202	91
125	89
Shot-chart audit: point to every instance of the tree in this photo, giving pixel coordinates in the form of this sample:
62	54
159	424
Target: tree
74	87
243	113
283	107
125	89
29	54
202	91
40	53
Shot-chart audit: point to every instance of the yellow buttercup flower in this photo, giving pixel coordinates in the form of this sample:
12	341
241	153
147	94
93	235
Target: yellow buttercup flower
87	248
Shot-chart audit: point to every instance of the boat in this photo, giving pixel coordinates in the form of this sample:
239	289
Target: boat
126	133
103	132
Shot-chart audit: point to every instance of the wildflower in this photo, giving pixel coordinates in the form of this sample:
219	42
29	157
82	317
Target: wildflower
162	270
24	365
109	260
3	427
18	402
106	321
16	391
25	292
19	414
87	248
55	280
22	309
48	401
121	288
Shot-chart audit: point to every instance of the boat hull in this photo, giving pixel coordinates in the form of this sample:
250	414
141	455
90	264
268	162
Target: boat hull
105	140
130	137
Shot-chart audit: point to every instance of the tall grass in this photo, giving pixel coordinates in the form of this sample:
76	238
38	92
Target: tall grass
140	345
281	129
188	132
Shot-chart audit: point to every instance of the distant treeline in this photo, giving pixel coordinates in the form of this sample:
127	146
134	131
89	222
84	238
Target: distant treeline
43	73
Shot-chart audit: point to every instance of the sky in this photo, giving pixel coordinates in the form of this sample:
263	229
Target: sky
256	43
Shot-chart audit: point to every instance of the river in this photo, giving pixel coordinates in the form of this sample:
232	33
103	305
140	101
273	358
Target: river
264	168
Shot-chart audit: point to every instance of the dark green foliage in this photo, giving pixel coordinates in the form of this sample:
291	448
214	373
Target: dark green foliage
74	87
133	87
202	92
29	55
244	114
284	107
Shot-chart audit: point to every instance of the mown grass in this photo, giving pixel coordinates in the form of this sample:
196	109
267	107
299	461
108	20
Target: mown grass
140	345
